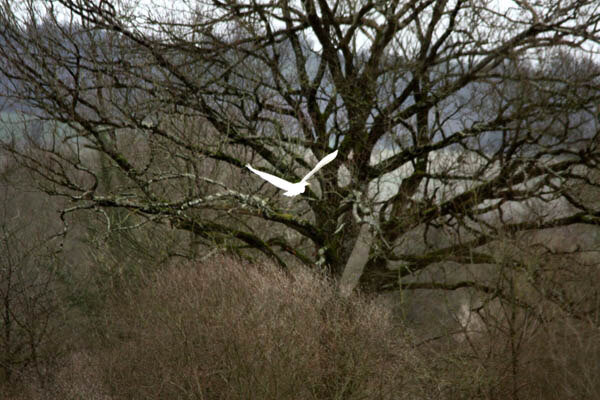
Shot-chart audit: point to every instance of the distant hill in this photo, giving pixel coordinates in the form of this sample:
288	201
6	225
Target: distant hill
17	125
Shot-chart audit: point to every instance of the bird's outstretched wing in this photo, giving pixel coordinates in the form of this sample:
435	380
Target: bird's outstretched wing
280	183
326	160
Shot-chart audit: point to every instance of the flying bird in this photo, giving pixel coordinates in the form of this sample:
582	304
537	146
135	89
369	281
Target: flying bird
294	189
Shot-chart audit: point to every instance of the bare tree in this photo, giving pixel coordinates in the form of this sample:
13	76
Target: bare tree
31	317
451	117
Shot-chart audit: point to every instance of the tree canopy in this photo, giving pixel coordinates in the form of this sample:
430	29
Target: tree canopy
454	121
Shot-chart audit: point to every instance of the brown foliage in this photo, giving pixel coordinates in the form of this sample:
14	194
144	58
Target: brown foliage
228	330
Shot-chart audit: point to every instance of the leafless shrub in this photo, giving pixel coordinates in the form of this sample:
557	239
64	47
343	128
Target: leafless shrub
229	330
31	308
568	360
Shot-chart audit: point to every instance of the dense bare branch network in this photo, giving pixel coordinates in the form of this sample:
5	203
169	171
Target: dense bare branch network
456	121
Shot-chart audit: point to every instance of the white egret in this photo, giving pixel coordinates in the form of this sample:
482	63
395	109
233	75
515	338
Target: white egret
293	189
